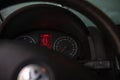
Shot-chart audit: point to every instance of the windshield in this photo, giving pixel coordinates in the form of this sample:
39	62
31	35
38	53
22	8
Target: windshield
109	7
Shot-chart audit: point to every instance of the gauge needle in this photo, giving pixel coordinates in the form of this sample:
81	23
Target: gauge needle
63	49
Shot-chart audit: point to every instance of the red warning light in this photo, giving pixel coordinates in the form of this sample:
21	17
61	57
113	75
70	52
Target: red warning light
45	40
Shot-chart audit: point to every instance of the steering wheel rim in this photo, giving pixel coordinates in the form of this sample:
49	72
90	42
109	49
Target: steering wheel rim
95	15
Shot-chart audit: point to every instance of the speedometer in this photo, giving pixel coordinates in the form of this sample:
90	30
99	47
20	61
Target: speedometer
66	46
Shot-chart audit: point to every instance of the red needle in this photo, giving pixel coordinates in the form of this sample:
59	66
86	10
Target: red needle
63	49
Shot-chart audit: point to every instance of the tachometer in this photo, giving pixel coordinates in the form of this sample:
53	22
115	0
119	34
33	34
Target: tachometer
27	39
66	46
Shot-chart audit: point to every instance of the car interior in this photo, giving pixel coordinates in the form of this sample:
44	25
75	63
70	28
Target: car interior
59	40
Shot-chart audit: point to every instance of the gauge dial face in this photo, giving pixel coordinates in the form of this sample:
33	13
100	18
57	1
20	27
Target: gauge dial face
66	46
27	39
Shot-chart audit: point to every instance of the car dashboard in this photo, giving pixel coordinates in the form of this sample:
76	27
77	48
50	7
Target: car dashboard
41	27
56	28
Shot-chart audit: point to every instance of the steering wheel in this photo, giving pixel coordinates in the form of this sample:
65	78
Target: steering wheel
19	61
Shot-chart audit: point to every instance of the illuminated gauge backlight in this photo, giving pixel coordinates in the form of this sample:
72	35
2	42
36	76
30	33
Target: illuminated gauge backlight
45	40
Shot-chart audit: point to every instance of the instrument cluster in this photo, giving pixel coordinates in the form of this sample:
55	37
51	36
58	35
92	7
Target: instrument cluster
60	42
